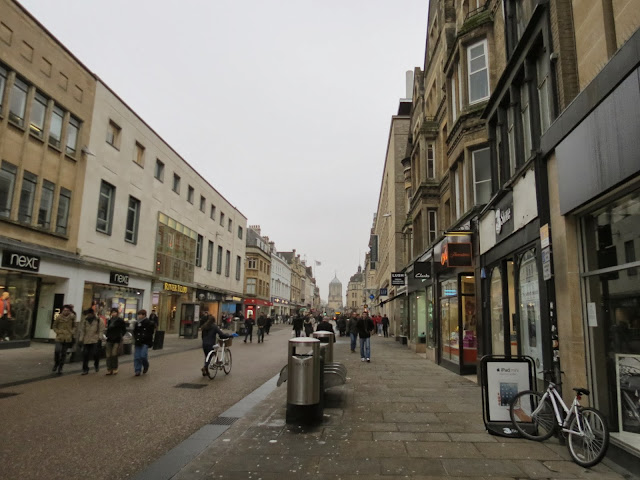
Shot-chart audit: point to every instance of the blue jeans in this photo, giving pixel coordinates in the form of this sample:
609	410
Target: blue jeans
365	347
353	341
140	359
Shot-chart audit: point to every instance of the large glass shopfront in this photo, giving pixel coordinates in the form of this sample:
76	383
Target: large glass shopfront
20	292
418	312
611	280
104	297
458	327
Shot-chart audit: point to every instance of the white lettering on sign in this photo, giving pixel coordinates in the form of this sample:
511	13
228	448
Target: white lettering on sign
502	217
23	261
119	278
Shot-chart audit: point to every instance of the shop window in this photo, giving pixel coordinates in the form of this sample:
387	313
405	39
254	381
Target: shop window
210	256
18	102
64	204
3	85
159	171
497	315
530	324
133	219
449	329
46	204
73	128
478	67
199	243
227	264
27	197
431	340
251	286
7	185
55	128
238	267
113	134
481	176
22	291
38	112
105	207
219	261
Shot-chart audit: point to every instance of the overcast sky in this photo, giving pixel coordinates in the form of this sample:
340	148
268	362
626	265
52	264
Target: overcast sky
283	105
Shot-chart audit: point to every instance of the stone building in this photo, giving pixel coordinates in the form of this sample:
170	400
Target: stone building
355	292
257	284
335	303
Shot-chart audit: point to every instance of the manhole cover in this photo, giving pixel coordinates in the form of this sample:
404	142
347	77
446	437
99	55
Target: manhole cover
7	394
194	386
224	420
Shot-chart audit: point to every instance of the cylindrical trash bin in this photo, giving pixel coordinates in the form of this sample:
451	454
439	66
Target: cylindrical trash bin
158	340
303	384
327	339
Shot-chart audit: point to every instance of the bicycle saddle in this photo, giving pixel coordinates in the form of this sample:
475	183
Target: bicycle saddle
582	391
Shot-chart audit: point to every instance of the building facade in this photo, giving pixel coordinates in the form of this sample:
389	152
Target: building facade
280	284
46	106
257	289
334	303
355	292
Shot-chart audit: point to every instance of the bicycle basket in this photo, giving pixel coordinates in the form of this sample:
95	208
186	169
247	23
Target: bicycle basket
228	342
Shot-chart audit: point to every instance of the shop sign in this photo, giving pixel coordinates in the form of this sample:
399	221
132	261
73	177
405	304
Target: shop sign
544	235
456	255
422	270
397	278
174	287
20	261
207	296
546	263
118	278
383	292
504	217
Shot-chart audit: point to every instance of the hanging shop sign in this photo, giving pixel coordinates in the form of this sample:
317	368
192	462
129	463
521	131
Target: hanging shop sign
456	255
174	287
504	217
20	261
119	278
397	278
422	270
383	292
207	296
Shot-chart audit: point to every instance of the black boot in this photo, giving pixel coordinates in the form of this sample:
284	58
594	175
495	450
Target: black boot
55	367
60	369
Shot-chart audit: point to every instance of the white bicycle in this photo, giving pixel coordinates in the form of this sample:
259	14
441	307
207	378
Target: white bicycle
218	359
536	416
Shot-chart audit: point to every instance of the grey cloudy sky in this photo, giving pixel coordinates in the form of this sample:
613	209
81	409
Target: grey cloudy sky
283	105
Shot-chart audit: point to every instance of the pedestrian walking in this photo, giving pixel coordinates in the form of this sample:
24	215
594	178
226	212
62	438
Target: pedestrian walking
63	326
267	327
143	338
153	317
248	327
352	328
6	318
116	328
90	331
325	326
209	341
308	325
385	325
365	327
261	323
379	325
298	322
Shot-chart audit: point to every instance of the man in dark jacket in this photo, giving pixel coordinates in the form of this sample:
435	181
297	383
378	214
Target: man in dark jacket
298	322
116	328
352	328
210	332
248	327
324	325
385	325
365	327
143	337
262	323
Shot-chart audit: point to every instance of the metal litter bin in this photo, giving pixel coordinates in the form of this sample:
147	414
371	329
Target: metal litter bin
303	384
327	339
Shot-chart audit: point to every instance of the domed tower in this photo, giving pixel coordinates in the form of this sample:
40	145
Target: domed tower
335	295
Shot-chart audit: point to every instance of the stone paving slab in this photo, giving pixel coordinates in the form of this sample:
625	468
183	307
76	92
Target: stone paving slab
399	417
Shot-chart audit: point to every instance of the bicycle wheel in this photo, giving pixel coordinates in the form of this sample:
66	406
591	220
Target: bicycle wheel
590	448
212	371
226	366
531	417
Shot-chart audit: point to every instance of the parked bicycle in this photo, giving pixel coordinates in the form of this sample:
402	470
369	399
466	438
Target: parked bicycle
219	358
536	416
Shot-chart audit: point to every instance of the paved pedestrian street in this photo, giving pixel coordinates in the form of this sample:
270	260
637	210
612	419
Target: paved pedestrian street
398	417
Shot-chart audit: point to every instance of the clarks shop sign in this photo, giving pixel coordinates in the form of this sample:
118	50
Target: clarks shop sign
422	270
20	261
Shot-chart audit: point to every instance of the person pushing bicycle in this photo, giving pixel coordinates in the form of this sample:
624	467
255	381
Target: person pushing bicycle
209	341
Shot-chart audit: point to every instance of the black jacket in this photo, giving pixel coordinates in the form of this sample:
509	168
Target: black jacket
116	328
262	321
143	332
365	327
209	333
325	326
385	321
297	323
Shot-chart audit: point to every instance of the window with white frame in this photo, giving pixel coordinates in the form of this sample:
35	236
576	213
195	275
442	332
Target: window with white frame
133	220
478	68
481	176
106	199
431	163
252	264
525	113
544	91
251	286
432	217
